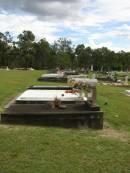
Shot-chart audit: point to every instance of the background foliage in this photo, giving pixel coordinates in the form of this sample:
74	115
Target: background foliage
27	53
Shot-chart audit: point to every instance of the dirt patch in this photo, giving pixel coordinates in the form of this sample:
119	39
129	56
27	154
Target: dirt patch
7	126
19	127
109	132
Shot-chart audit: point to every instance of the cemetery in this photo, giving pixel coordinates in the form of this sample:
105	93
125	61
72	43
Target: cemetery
65	106
64	86
28	143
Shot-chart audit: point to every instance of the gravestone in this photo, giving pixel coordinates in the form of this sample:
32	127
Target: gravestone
126	80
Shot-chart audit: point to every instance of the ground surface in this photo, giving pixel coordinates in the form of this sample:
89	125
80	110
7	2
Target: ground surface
26	149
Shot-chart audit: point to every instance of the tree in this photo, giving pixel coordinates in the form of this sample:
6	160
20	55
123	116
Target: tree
3	50
64	53
44	55
84	56
26	47
27	53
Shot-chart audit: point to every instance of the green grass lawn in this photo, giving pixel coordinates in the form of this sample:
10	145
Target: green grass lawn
26	149
117	109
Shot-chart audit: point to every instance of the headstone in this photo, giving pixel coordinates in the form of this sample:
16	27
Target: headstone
126	80
112	76
92	67
31	69
127	92
7	68
94	95
94	76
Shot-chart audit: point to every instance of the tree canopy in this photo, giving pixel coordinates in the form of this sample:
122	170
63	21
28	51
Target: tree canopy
26	52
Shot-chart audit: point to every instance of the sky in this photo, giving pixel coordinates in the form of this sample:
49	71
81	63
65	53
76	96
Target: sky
94	23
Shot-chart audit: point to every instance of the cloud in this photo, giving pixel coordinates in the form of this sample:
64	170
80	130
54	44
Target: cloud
123	31
16	24
94	45
117	10
77	12
86	20
45	9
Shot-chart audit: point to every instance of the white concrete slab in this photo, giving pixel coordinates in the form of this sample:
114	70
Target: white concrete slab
77	76
50	95
56	75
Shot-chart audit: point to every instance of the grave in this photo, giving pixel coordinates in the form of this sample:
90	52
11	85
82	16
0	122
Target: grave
119	83
64	106
108	77
59	76
53	77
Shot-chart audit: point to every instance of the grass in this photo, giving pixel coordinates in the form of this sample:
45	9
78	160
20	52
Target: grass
117	107
26	149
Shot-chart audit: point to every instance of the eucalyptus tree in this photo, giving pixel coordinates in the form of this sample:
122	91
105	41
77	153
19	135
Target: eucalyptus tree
44	55
64	53
26	47
3	50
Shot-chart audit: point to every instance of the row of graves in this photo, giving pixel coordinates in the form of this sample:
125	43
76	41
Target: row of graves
64	106
111	78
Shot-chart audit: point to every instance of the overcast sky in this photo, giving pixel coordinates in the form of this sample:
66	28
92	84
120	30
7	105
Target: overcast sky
95	23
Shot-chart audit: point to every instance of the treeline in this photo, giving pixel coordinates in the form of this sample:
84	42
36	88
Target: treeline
27	53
